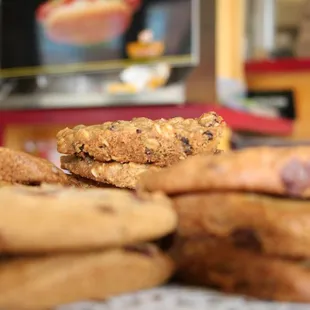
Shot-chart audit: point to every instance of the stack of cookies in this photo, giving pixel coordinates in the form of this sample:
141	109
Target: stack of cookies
20	168
118	153
244	221
61	245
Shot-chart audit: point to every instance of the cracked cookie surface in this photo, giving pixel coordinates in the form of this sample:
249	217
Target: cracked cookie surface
272	170
53	218
21	168
161	142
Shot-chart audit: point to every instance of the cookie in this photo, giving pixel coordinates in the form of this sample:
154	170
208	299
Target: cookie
46	282
211	262
119	175
22	168
272	225
79	182
143	141
282	171
2	184
58	218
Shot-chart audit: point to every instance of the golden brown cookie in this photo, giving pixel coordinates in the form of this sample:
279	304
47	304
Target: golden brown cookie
273	225
214	263
79	182
283	171
22	168
119	175
50	281
2	184
61	219
143	141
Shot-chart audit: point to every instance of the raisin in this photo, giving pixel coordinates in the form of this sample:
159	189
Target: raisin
296	177
138	131
186	145
209	134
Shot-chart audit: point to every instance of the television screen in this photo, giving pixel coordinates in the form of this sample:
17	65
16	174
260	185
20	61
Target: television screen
103	47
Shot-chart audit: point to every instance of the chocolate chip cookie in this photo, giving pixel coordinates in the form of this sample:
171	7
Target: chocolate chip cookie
272	225
119	175
215	263
22	168
61	219
49	281
143	141
2	184
282	171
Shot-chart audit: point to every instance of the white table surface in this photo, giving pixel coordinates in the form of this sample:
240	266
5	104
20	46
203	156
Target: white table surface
182	298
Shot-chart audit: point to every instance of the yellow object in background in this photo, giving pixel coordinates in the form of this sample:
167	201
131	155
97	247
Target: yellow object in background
230	38
145	47
226	139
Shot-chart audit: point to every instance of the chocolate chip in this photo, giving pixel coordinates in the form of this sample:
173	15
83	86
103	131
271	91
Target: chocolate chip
141	249
148	151
32	183
246	238
106	209
138	131
81	148
209	134
186	145
296	177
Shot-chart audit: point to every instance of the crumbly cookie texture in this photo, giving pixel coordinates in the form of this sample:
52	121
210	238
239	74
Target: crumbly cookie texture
270	225
119	175
282	171
50	218
50	281
161	142
22	168
80	182
212	262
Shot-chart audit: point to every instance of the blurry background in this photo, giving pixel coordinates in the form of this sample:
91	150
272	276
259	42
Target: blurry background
249	60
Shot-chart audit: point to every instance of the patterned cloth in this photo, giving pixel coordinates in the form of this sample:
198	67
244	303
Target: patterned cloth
182	298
